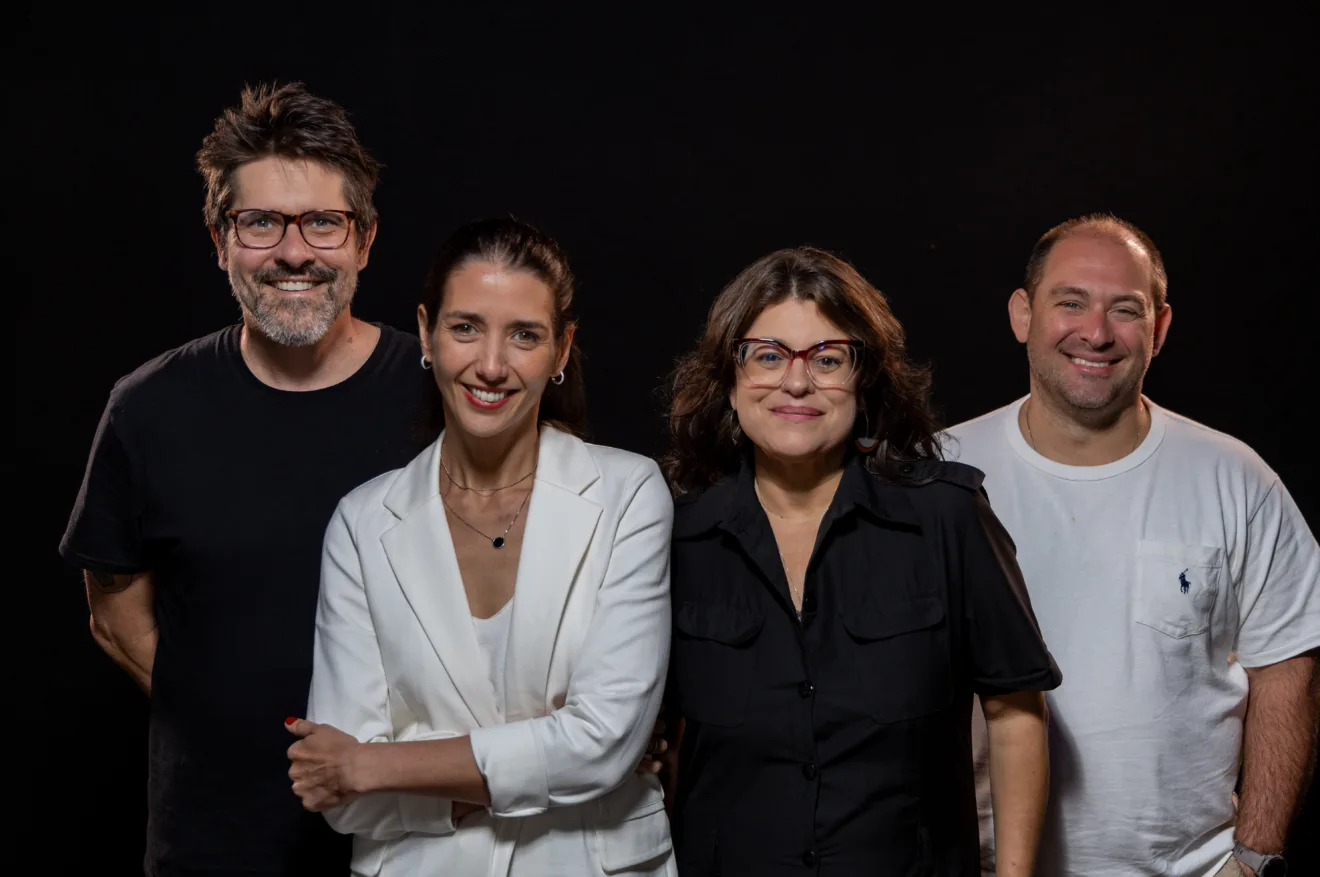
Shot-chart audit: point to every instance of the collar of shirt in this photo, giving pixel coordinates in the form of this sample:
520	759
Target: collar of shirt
732	504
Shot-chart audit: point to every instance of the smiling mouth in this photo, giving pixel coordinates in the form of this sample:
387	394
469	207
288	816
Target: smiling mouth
487	398
789	412
294	285
1092	363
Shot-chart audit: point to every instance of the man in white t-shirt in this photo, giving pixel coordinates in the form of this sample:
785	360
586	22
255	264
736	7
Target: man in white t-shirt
1174	579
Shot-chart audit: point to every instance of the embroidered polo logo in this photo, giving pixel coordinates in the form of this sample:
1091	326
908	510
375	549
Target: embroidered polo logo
1183	584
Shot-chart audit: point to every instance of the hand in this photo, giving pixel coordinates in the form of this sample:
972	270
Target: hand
323	765
652	761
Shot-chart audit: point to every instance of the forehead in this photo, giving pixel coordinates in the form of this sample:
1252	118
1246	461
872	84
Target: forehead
497	293
288	185
1099	264
797	323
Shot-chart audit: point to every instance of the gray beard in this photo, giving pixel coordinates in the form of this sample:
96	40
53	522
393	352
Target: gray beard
293	322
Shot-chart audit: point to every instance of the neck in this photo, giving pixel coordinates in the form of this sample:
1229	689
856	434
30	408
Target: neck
798	488
340	353
1065	435
485	462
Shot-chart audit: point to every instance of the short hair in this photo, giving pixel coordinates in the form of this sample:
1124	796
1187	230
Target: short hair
1104	225
286	121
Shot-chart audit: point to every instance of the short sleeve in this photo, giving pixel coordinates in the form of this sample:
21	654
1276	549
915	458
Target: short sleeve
105	529
1004	643
1279	592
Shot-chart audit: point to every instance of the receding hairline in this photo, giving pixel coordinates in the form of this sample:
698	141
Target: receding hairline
1102	227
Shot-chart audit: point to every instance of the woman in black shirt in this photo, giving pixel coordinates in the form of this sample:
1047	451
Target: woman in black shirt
840	593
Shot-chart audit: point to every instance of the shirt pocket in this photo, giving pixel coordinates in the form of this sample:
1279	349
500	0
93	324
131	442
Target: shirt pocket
713	657
900	657
1177	586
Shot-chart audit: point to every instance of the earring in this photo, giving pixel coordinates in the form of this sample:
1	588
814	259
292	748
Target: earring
864	442
426	363
557	379
735	429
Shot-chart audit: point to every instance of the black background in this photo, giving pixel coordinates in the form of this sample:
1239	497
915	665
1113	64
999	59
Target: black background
665	150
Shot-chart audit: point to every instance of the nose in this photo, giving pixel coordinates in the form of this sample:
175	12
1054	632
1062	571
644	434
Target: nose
797	380
293	251
492	366
1095	329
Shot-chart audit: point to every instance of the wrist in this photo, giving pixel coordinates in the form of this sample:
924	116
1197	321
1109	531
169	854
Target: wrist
364	768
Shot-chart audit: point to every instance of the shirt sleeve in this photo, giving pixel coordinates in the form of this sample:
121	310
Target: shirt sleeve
349	691
1004	643
1279	592
105	529
593	743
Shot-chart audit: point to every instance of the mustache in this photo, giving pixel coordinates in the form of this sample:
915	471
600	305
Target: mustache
316	273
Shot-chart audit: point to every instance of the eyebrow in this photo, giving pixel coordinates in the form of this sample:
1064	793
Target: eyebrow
1085	293
470	317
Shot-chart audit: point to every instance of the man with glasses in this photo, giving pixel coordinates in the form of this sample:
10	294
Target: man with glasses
214	472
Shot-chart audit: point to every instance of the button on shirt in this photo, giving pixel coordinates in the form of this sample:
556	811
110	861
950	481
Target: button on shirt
838	743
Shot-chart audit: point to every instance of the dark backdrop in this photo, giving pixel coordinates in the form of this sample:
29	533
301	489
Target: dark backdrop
665	151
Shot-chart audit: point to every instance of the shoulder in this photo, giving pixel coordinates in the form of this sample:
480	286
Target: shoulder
627	478
617	463
399	345
978	433
1203	446
367	500
177	370
939	492
942	475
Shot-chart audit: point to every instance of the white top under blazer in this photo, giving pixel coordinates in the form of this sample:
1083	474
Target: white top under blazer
397	658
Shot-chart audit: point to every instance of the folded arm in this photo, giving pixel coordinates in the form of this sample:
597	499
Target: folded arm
349	691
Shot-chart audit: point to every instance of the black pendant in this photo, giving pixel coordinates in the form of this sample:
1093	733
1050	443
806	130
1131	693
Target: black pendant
498	542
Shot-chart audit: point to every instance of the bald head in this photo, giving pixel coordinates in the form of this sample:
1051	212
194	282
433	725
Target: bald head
1107	227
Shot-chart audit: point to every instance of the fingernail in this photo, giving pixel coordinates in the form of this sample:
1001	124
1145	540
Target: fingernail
290	720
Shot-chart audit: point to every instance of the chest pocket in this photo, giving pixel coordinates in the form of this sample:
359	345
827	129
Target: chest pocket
1177	586
900	657
713	660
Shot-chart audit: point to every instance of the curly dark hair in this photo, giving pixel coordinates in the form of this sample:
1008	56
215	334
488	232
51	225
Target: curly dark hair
289	122
893	393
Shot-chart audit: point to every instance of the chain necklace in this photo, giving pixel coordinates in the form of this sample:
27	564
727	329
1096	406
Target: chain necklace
495	541
454	481
795	594
1031	439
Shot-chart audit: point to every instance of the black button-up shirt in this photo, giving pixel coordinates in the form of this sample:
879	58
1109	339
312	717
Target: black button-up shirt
838	743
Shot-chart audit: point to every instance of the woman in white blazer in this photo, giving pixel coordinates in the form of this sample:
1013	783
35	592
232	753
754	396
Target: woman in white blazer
493	628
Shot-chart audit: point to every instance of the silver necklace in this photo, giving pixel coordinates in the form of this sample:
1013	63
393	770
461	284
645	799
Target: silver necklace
495	541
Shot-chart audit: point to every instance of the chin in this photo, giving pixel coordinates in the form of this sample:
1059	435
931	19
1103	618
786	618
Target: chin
793	448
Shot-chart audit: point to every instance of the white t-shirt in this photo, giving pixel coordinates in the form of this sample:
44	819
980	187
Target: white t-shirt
493	639
1155	579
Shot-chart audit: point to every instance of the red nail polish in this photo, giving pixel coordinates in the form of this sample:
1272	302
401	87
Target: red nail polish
290	720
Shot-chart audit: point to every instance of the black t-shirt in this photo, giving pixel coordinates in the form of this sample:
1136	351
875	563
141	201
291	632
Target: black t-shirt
223	487
848	729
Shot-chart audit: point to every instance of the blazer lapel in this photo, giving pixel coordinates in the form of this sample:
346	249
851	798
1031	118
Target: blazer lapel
560	525
421	553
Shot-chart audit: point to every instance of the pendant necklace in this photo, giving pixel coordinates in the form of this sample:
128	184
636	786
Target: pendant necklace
495	541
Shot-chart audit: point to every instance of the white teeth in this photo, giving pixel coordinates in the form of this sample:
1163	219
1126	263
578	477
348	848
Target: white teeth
294	285
487	395
1080	361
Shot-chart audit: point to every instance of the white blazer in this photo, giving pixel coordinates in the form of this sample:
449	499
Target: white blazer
396	658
